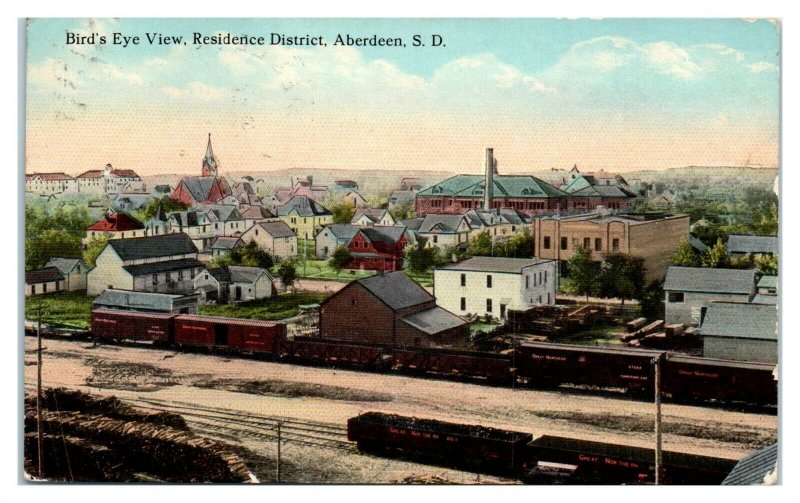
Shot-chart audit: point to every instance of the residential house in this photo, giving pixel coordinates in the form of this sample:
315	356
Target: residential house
444	230
411	183
389	309
304	216
158	223
767	290
739	245
688	290
229	221
106	181
224	245
45	184
73	270
115	225
253	214
402	198
41	281
226	284
759	468
378	248
740	331
489	286
162	264
129	201
499	223
202	226
301	186
652	236
372	216
354	199
273	236
333	236
146	302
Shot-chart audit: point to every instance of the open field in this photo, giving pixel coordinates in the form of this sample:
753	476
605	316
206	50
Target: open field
331	396
284	305
72	309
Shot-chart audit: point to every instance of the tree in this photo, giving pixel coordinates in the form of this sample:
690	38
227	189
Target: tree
402	211
686	255
420	259
287	272
716	256
652	302
253	256
340	258
622	277
519	245
767	264
94	246
150	209
39	248
342	213
583	273
480	245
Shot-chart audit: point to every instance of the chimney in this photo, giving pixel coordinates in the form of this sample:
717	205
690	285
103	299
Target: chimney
489	185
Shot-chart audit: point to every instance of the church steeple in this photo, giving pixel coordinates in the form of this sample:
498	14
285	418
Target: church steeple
210	164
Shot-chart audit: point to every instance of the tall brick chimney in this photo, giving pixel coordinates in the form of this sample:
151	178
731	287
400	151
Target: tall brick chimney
489	182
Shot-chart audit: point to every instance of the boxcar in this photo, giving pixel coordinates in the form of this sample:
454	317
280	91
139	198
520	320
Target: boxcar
471	447
612	464
250	336
129	325
692	378
331	351
547	364
473	364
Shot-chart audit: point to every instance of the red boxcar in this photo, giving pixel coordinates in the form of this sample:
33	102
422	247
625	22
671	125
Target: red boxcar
254	336
321	350
550	364
688	378
473	364
130	325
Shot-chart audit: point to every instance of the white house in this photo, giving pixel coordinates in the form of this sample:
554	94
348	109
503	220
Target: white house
372	216
492	285
226	284
444	230
74	271
50	183
333	236
275	237
47	280
163	264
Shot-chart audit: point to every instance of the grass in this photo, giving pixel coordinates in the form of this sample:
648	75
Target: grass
284	305
72	309
597	335
294	389
425	279
477	326
319	269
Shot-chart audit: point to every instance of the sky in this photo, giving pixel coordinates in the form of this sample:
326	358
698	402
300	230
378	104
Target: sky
611	94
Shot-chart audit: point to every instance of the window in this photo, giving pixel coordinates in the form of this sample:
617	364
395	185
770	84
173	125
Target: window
527	282
615	244
435	239
488	281
534	279
463	303
180	275
587	243
547	242
545	278
206	276
488	305
155	279
463	279
44	287
169	276
598	244
548	297
33	289
675	297
563	243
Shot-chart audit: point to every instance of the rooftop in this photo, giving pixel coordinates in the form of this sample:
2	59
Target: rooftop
768	282
738	243
277	229
384	234
752	469
707	280
153	246
396	289
494	264
45	275
65	264
741	319
304	206
237	274
142	301
159	267
115	222
435	320
343	231
518	186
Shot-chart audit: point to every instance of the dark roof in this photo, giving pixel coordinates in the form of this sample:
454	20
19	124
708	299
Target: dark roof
435	320
697	244
304	205
65	264
200	186
159	267
396	289
389	235
253	211
45	275
142	301
707	280
751	469
153	246
343	231
448	224
115	222
237	274
277	229
373	214
738	243
412	224
226	243
741	319
494	264
768	282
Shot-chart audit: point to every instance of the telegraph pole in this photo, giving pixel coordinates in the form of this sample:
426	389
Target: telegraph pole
278	465
40	450
658	360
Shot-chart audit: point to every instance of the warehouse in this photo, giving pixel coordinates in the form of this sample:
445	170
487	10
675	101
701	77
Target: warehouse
146	302
389	309
688	289
740	331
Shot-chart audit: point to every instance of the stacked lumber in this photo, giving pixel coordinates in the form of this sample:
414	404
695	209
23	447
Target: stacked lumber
633	326
645	330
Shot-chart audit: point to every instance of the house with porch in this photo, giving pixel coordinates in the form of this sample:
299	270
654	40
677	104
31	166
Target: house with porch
226	284
378	248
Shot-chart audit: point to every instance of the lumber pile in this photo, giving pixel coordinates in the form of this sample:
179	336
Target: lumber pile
645	330
633	326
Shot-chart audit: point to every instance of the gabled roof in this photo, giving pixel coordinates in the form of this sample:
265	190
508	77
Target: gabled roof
53	177
199	187
396	290
343	231
65	264
738	243
390	235
741	319
443	224
167	266
762	298
305	207
373	214
45	275
494	264
124	173
435	320
697	244
153	246
277	229
412	224
127	299
248	211
237	274
224	212
517	186
752	469
707	280
115	222
226	243
92	173
602	191
768	282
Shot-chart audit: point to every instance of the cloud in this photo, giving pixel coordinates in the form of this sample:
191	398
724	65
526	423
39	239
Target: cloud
486	73
667	58
54	74
196	90
762	66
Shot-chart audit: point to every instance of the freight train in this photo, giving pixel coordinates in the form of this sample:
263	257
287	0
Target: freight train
544	460
683	378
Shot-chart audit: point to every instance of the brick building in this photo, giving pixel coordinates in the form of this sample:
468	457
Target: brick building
389	309
378	248
654	237
208	188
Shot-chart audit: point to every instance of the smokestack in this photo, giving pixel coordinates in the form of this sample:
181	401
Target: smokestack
487	191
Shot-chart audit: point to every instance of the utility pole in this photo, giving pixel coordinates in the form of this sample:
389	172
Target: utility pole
278	465
657	362
40	450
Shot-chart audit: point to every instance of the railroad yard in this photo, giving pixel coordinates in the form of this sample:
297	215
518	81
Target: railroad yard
242	401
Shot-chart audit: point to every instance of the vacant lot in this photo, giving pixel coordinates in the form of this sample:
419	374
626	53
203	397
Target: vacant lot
71	309
278	307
